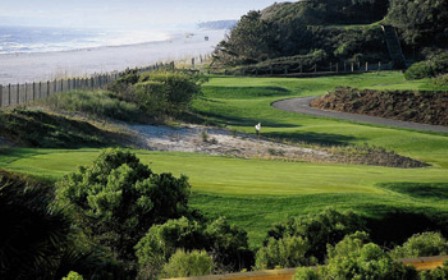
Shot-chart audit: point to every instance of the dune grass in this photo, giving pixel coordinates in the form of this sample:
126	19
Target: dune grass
257	193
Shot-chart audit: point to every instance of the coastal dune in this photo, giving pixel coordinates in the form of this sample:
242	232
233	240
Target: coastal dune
29	67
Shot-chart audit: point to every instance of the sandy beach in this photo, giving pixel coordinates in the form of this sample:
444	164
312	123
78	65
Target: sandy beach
21	68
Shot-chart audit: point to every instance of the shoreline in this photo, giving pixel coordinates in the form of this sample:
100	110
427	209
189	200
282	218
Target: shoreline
35	67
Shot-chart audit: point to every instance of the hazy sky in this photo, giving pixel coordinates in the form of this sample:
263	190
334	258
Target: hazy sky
122	13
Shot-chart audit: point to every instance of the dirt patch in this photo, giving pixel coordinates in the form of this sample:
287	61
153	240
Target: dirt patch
414	106
214	141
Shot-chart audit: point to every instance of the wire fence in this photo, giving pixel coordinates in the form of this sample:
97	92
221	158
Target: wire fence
299	70
21	94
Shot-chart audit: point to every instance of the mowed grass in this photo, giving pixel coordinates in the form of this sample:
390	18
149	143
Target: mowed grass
254	194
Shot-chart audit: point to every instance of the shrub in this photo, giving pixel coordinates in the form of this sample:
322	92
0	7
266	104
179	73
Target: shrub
439	273
227	245
422	245
184	264
167	93
317	230
419	70
73	276
306	273
354	258
285	252
441	80
434	66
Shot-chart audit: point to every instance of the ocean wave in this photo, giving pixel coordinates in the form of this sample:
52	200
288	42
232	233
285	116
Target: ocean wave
33	40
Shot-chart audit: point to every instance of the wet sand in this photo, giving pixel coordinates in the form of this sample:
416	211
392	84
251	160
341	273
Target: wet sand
21	68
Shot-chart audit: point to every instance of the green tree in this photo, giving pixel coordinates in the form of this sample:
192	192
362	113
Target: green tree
117	199
420	21
34	235
188	264
425	244
249	42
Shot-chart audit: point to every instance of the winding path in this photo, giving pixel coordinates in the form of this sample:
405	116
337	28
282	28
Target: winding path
302	106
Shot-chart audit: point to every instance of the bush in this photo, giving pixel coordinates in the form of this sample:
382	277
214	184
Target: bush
226	244
316	230
354	258
419	70
439	273
434	66
73	276
285	252
441	80
306	273
117	199
167	93
425	244
183	264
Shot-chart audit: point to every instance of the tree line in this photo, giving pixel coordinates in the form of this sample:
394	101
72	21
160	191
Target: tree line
340	30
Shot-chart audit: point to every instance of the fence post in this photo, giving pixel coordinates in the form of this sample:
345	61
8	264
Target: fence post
34	91
9	94
379	65
1	95
337	67
48	88
18	94
353	67
315	68
55	86
40	90
345	66
367	66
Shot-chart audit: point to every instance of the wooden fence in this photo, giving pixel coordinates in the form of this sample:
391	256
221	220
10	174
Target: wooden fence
21	94
300	70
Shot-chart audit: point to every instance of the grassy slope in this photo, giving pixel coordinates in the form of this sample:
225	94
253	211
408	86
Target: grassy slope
256	193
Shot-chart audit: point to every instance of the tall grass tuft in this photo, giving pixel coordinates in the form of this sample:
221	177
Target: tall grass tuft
95	104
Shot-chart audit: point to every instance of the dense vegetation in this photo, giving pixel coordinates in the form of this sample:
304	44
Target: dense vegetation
339	31
390	204
416	106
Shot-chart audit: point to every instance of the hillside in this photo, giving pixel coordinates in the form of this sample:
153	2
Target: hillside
415	106
341	31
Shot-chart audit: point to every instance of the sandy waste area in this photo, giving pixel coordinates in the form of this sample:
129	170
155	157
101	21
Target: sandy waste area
215	141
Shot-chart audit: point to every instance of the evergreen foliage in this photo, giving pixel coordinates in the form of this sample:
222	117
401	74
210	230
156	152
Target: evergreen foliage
117	199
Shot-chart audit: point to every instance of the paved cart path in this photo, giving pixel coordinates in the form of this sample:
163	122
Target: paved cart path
302	106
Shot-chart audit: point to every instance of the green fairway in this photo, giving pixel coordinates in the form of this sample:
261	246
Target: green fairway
236	177
257	193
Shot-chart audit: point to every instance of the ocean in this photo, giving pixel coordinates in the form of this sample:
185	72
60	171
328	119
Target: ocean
19	40
31	54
